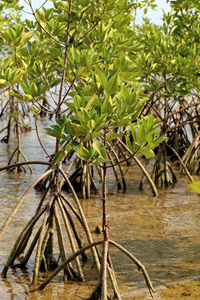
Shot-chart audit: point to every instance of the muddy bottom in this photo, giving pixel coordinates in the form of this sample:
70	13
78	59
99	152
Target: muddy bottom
187	289
162	232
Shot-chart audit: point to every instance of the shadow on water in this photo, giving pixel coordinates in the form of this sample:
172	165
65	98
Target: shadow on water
162	232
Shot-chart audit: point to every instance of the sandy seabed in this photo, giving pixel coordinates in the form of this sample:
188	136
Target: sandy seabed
181	290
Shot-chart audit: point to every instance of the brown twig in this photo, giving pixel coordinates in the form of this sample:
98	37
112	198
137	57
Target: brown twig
25	163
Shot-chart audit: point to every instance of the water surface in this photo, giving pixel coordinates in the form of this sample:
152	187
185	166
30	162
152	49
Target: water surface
162	232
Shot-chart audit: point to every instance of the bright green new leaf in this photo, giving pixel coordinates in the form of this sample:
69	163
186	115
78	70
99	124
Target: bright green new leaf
3	83
18	41
28	98
6	93
91	124
8	74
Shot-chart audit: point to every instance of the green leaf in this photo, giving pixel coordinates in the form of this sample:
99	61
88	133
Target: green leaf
35	111
28	98
99	161
112	86
100	148
101	122
3	83
107	106
18	76
92	136
80	70
158	140
33	89
80	150
90	102
18	41
60	155
122	4
7	61
101	76
25	38
112	135
79	130
123	122
6	36
41	97
11	33
77	101
141	134
91	124
128	143
71	106
93	153
40	16
8	74
55	131
146	152
69	128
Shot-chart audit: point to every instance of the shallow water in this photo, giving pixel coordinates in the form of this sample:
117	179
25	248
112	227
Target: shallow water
162	232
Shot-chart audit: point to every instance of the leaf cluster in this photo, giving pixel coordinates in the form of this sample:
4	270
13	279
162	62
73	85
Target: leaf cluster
97	119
